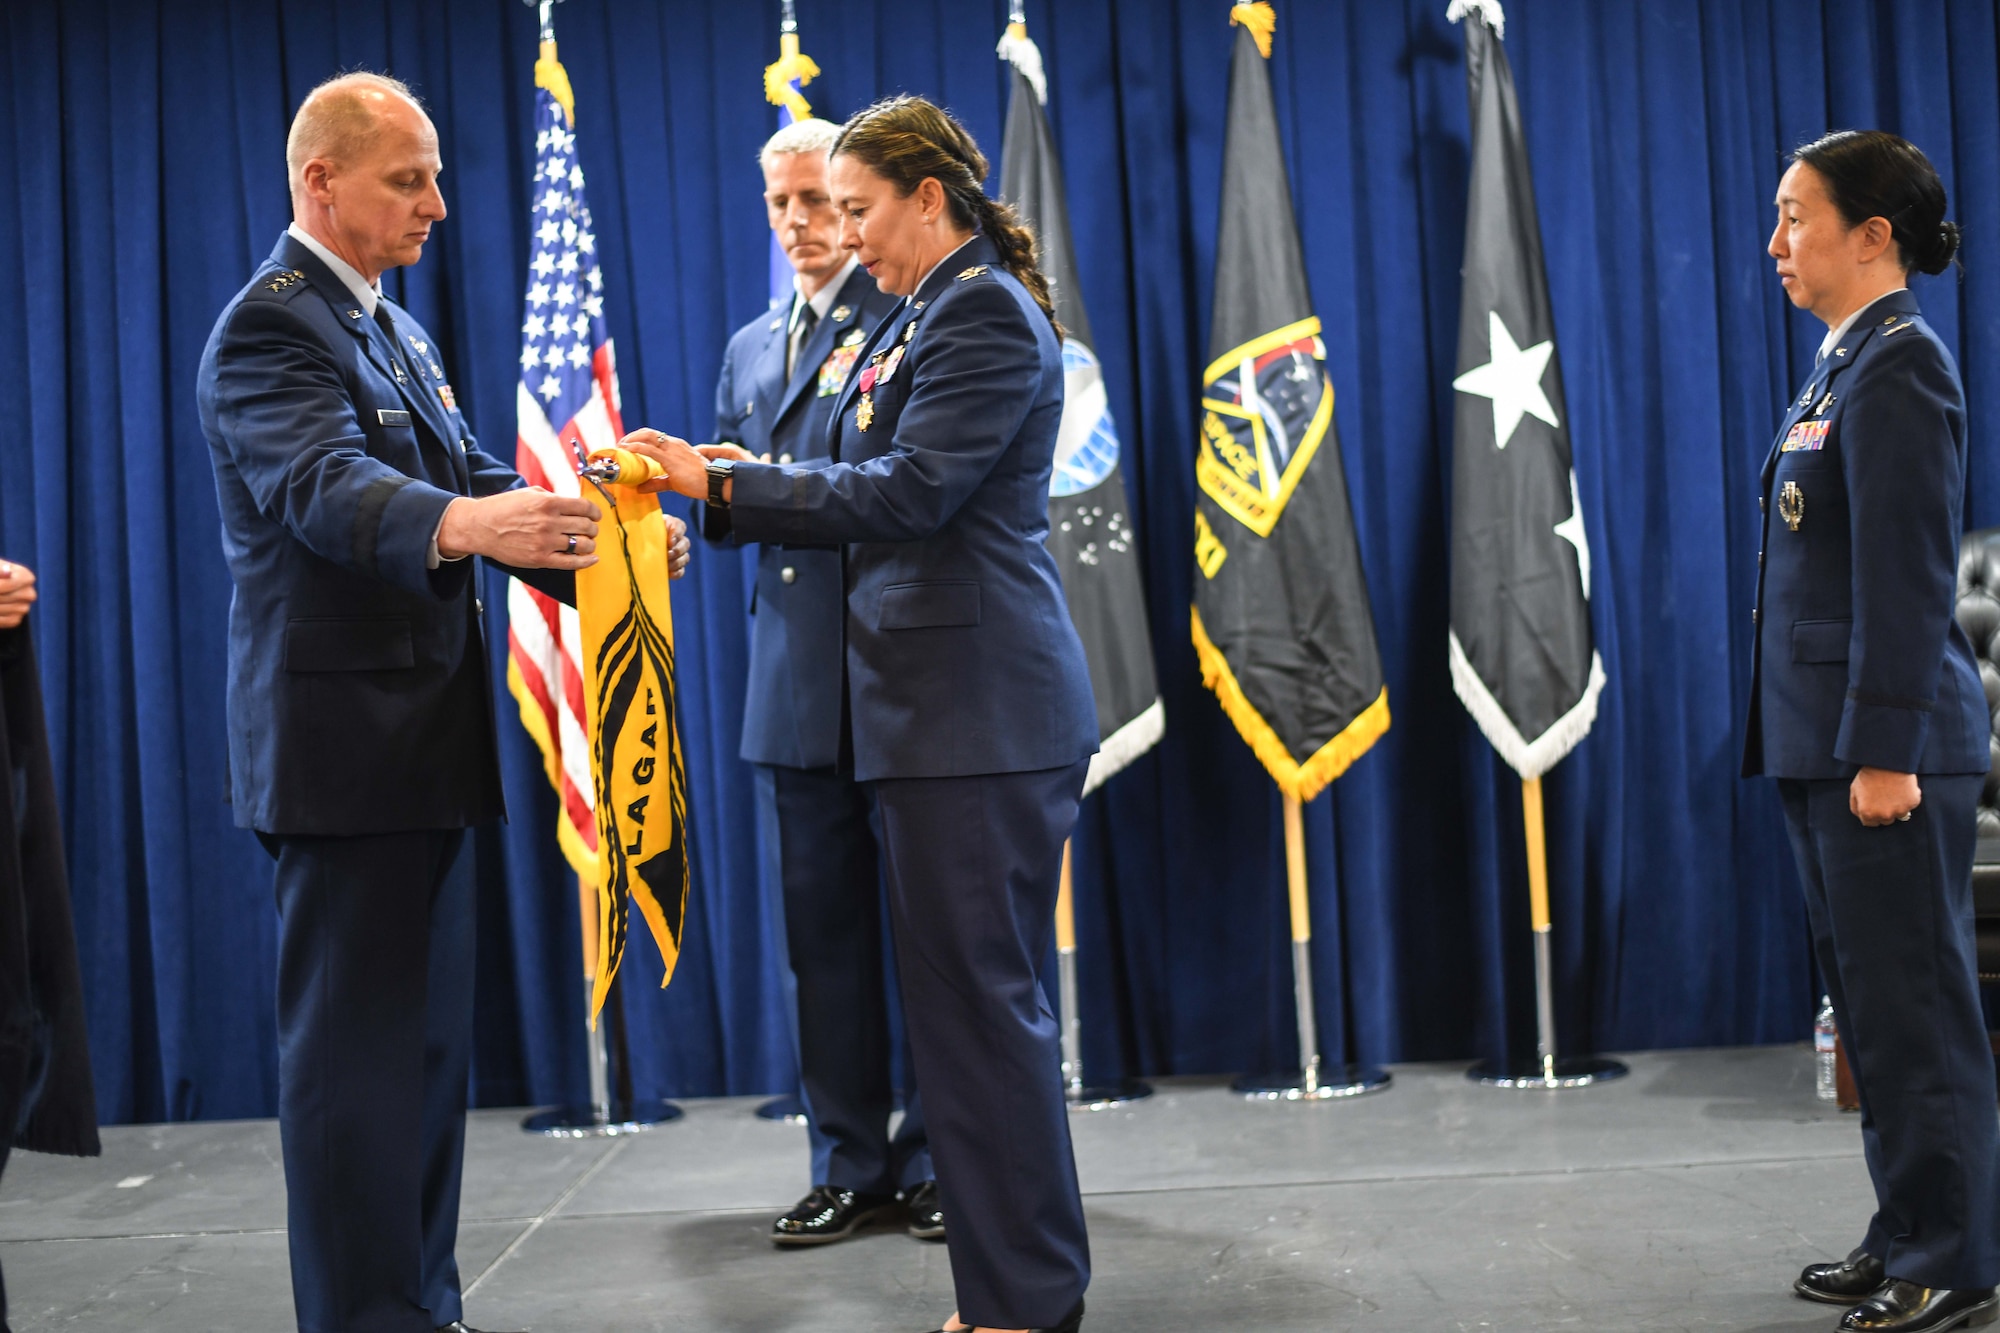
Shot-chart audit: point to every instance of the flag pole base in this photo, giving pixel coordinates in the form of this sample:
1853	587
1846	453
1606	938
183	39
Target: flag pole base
1316	1086
589	1122
1081	1098
786	1110
1577	1071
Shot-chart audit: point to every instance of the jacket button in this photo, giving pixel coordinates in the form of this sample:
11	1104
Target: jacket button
478	607
784	458
1761	503
1753	615
788	574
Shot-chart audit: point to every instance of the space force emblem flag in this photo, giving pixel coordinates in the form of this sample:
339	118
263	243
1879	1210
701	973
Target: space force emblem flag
1090	526
1522	657
1281	619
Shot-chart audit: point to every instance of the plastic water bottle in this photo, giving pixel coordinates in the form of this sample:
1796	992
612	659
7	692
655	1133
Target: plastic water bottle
1824	1034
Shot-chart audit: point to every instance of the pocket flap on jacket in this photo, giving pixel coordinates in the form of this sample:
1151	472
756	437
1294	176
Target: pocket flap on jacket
929	605
348	644
1821	640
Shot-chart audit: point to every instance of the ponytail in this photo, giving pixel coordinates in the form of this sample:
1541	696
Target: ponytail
906	140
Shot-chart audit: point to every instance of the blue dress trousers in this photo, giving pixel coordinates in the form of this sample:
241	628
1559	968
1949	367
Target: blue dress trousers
1859	663
969	711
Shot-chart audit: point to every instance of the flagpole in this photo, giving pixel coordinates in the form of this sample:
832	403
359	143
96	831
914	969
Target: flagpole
1548	1070
1307	1085
1080	1095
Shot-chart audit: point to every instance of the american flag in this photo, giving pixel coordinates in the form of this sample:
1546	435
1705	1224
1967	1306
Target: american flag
567	398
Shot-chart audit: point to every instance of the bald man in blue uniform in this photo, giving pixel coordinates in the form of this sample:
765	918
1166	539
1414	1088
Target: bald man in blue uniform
361	724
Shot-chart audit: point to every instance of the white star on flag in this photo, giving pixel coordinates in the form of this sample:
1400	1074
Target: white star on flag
1571	531
1512	378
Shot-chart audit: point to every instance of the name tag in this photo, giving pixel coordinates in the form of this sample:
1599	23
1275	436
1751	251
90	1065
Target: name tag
390	417
1805	435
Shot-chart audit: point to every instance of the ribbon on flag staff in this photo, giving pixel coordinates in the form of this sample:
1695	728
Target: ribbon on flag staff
579	675
1281	619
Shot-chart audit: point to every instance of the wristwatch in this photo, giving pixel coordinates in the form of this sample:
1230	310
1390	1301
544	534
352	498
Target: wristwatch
718	477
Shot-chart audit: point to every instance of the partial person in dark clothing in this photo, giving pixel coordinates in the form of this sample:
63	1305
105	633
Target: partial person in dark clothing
46	1100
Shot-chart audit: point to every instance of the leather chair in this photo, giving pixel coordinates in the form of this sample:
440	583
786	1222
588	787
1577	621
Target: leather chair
1979	617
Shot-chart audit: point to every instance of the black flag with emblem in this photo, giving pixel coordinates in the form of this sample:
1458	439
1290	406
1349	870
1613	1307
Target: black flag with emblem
1090	525
1522	658
1281	618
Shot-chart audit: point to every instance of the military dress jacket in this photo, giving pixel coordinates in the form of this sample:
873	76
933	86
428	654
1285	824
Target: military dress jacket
358	699
961	658
792	703
1858	660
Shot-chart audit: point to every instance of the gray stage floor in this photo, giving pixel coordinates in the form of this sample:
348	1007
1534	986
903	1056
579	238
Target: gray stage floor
1684	1197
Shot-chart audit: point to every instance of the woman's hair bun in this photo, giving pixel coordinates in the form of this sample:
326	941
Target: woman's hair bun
1943	251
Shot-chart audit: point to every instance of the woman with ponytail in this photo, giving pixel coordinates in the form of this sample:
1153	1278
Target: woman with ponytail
969	708
1866	705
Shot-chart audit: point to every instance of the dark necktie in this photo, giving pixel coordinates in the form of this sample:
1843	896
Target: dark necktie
801	331
388	325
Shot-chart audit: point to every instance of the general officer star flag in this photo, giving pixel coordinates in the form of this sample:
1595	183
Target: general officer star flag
595	685
1282	623
1522	658
1090	528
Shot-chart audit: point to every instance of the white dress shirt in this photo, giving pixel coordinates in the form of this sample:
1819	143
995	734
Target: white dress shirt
1839	331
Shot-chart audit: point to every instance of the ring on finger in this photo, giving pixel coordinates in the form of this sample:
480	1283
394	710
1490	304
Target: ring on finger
570	547
1903	818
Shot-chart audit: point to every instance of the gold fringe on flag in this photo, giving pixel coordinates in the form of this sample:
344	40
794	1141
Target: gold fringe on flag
550	74
1300	781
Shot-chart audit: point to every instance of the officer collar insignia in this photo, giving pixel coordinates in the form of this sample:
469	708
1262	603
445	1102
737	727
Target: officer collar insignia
972	272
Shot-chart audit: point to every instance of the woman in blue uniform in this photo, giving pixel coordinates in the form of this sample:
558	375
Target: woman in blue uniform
968	700
1866	705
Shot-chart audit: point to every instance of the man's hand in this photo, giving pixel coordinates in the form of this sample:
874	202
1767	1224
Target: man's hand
679	549
1880	796
526	527
17	593
686	470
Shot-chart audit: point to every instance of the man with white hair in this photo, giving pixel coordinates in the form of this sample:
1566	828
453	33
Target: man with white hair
361	723
780	378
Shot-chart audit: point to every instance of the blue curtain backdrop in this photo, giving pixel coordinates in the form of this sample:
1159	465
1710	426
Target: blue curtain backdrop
141	156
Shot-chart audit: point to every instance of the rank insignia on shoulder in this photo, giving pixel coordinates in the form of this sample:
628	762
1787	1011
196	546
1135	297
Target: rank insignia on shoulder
841	312
280	281
972	272
1898	329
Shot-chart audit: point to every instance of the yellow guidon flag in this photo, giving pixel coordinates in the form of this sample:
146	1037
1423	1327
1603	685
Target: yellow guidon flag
638	770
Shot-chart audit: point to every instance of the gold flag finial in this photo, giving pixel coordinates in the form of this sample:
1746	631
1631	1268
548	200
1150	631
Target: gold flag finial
550	74
791	64
1260	19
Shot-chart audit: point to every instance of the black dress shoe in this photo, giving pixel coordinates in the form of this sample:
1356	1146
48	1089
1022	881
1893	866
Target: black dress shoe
456	1326
1905	1307
926	1217
1857	1276
1070	1324
827	1215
